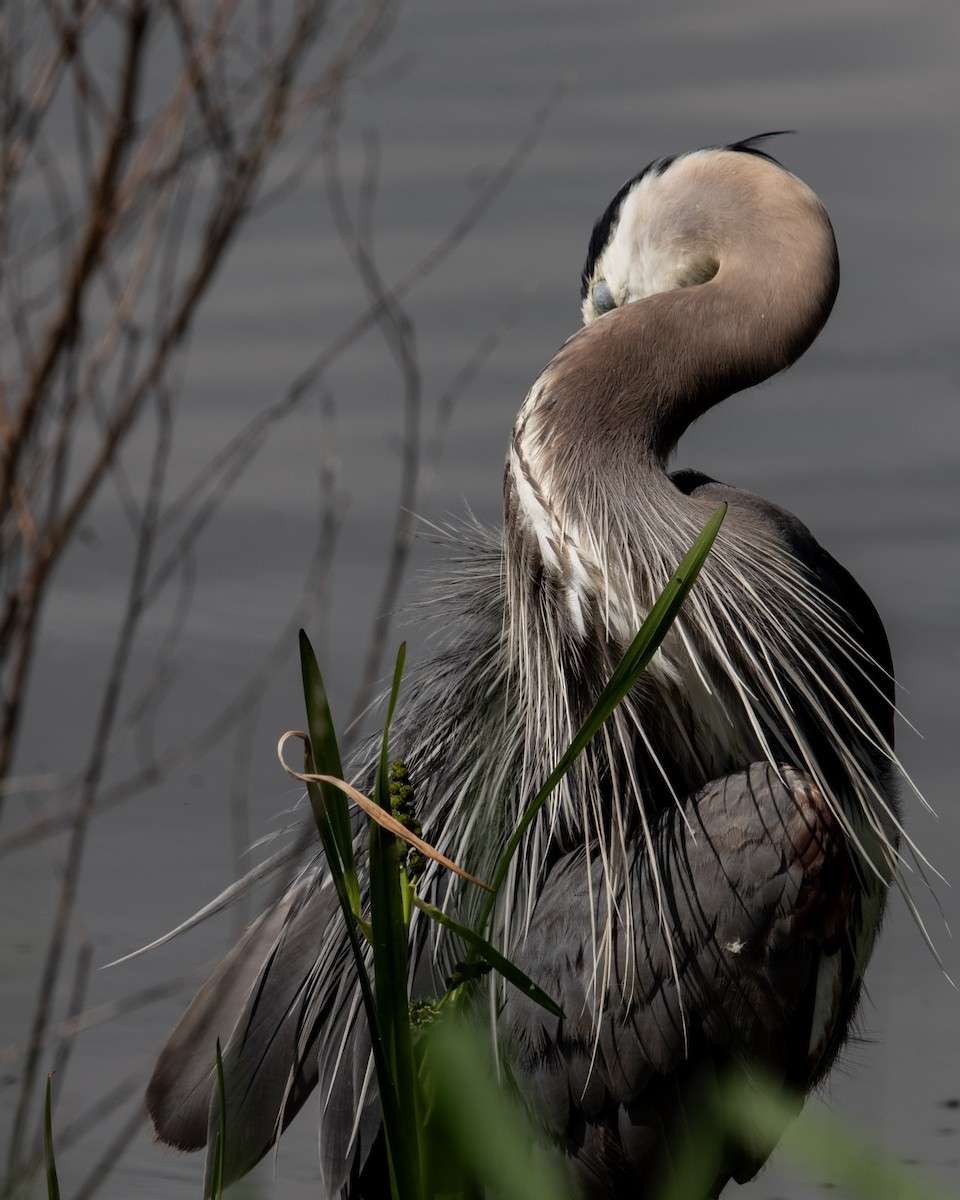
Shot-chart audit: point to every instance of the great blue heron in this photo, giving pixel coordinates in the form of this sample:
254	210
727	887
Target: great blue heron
703	891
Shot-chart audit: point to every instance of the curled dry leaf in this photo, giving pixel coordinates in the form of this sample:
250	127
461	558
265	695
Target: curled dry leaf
374	811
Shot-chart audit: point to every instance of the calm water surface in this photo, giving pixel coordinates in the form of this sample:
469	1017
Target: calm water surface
860	439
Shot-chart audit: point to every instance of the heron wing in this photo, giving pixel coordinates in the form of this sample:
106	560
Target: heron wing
282	1003
178	1096
722	971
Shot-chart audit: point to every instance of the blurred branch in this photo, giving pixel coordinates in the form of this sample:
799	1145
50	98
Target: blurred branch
100	226
398	334
92	775
101	283
198	502
116	249
101	294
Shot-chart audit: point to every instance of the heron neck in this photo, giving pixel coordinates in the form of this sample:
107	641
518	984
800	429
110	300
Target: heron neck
587	495
633	381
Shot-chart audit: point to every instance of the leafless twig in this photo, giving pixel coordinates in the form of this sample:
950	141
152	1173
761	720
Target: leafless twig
98	300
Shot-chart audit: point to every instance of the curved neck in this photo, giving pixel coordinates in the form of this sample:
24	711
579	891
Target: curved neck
586	494
634	380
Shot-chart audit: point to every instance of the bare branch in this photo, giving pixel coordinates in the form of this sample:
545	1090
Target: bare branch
101	284
398	334
85	806
115	199
99	228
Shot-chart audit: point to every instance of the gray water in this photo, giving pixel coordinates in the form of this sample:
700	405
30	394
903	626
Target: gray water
860	439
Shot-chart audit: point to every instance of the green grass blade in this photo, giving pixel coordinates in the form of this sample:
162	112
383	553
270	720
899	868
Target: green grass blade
382	788
331	812
657	624
389	1101
323	738
329	805
389	941
638	655
53	1186
492	956
390	961
219	1148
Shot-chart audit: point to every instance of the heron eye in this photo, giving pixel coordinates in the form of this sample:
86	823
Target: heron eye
603	299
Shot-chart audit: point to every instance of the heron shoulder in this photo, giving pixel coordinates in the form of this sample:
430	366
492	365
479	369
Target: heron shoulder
836	583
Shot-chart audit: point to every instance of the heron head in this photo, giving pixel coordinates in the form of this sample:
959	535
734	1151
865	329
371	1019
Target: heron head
674	224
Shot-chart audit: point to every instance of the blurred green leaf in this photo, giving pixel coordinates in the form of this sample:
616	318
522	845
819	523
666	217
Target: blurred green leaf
820	1146
481	1123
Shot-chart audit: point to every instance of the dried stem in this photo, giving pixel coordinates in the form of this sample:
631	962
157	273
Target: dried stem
98	300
